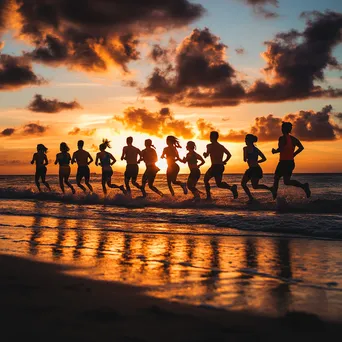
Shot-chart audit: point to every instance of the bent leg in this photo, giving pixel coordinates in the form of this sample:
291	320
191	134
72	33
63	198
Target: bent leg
244	181
256	185
61	183
36	180
78	182
206	180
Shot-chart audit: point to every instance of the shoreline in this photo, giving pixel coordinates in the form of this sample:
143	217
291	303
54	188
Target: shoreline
39	300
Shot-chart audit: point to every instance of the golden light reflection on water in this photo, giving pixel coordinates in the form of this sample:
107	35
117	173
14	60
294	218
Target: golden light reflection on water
272	275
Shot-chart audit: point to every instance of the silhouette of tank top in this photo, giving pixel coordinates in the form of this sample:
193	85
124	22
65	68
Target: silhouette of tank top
192	160
287	149
253	155
150	156
64	159
105	160
171	154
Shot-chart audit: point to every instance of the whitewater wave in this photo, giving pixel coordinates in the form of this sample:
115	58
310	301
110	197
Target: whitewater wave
282	205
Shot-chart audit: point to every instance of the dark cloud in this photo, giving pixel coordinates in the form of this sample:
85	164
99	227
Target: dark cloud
94	34
157	124
79	131
200	76
260	9
12	162
16	72
34	129
296	60
307	125
43	105
4	8
159	54
240	51
7	132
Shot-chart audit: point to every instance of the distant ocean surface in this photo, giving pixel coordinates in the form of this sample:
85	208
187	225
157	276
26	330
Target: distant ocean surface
271	256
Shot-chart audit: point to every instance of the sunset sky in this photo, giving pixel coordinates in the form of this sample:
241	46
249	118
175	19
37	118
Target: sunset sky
112	69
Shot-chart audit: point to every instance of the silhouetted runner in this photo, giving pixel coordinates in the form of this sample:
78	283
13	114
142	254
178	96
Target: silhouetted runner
63	159
131	154
171	154
41	161
286	147
106	160
251	155
149	156
195	173
216	151
83	159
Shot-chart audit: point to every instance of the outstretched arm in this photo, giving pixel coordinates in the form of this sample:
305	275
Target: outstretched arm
90	159
299	146
262	156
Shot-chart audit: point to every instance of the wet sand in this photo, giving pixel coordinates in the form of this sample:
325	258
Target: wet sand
41	301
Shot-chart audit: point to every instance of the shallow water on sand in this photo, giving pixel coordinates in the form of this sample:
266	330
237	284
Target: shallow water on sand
269	258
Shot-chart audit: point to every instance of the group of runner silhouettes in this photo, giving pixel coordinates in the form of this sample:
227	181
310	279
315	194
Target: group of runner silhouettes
288	148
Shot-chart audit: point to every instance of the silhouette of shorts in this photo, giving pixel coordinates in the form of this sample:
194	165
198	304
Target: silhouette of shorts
216	170
194	175
64	170
132	171
285	168
254	172
107	174
150	173
83	171
172	171
41	172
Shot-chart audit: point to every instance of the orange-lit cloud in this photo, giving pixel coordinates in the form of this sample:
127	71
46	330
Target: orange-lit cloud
79	131
307	126
43	105
158	124
28	129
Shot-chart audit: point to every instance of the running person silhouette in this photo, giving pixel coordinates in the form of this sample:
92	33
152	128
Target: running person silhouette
63	159
171	154
287	148
106	160
83	159
41	161
131	154
251	155
216	152
149	156
195	173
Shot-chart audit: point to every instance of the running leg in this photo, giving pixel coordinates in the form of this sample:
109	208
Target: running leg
244	181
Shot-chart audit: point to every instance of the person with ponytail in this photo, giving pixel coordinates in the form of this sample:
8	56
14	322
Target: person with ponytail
171	154
195	173
106	160
251	156
41	161
149	156
63	159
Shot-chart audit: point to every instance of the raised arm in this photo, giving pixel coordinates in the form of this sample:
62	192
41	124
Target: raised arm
90	158
299	146
262	156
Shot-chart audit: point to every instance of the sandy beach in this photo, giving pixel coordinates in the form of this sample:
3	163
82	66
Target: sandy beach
41	301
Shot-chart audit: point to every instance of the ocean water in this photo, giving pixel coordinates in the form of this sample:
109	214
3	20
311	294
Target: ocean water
270	257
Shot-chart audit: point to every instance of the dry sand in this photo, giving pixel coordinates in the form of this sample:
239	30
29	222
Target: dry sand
39	302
